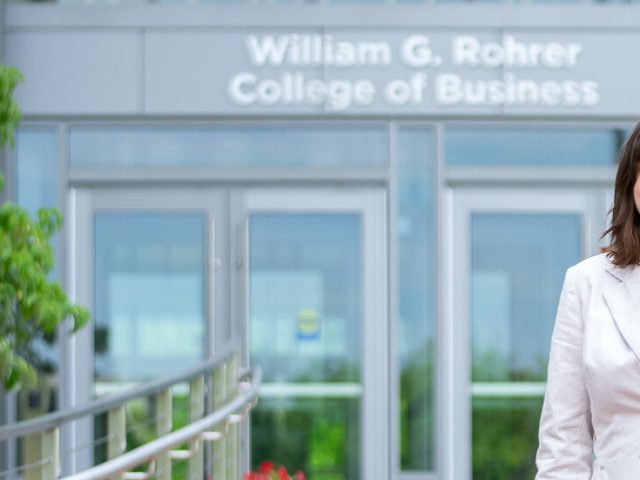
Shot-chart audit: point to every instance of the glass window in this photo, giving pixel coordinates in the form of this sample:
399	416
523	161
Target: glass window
516	280
149	293
505	436
520	146
37	186
320	436
305	321
236	146
37	174
416	241
37	168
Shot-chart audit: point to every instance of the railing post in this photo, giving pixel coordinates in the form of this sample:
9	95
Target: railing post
117	431
220	375
233	450
196	411
219	398
34	403
164	413
50	441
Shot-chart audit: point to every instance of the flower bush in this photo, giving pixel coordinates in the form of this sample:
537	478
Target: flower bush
268	471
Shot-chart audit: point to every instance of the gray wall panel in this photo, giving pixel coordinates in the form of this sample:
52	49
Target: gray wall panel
188	72
139	13
78	72
606	60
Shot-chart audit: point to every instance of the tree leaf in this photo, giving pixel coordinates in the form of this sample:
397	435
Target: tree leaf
31	305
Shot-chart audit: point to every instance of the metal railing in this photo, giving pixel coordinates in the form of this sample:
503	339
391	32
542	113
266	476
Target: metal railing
220	398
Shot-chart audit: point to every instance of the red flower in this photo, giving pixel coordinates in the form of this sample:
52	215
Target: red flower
266	467
266	471
282	473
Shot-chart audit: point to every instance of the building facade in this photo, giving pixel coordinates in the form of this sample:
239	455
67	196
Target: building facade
378	200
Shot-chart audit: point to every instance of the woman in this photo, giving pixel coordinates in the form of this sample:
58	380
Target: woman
590	422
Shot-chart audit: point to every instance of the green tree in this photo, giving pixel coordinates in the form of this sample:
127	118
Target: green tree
31	305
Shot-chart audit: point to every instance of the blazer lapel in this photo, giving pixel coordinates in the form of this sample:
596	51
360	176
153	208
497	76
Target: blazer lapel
623	301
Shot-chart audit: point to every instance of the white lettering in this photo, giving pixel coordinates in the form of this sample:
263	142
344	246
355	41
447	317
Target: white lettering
492	55
448	91
397	92
363	92
590	93
374	53
550	93
554	55
416	52
267	49
465	51
418	84
573	50
469	51
269	91
572	93
292	88
344	54
319	50
339	96
316	91
235	88
452	89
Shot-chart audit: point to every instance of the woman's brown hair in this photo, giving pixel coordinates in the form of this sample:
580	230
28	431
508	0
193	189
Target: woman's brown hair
624	248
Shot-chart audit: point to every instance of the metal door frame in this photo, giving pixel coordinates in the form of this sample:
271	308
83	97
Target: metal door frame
454	332
371	203
82	205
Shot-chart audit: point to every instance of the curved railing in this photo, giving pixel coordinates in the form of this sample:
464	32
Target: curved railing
220	398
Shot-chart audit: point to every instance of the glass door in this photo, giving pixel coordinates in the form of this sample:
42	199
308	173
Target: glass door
316	322
509	252
144	263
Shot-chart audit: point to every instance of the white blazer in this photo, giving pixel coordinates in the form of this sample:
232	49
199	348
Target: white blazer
590	422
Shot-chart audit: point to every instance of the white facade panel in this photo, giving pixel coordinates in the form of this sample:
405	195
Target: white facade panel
77	72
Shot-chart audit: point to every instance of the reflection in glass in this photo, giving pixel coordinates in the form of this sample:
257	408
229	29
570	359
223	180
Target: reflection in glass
305	310
321	437
36	174
36	183
233	146
37	168
505	437
305	296
149	293
518	266
531	146
416	240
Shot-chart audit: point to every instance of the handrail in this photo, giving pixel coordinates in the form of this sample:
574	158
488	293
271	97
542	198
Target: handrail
151	450
55	419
